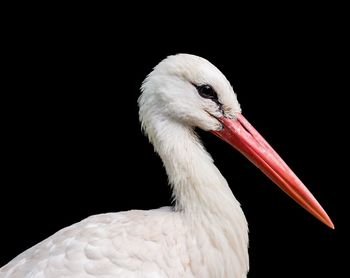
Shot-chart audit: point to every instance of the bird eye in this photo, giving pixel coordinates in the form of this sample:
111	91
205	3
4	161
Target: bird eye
207	91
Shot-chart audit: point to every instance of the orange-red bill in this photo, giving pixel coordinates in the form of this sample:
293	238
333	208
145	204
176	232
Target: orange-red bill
240	134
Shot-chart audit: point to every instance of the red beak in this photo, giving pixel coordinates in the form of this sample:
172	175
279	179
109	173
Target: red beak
241	135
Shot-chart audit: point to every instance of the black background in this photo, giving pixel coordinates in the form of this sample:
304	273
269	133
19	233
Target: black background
75	147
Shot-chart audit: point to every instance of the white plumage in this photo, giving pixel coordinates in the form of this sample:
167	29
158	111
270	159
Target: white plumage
204	235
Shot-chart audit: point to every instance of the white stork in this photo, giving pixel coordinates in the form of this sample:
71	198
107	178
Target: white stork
205	234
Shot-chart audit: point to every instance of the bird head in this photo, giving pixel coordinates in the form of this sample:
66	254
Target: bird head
191	91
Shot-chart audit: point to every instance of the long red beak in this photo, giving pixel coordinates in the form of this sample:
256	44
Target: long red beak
241	134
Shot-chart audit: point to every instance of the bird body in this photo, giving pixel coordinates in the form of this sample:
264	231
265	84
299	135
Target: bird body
154	243
205	233
208	240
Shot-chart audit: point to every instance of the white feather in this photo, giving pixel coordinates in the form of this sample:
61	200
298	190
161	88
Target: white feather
204	235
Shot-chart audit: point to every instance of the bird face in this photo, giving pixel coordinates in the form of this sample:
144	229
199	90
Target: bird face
191	90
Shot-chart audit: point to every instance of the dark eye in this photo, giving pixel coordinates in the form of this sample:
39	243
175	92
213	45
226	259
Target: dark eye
207	91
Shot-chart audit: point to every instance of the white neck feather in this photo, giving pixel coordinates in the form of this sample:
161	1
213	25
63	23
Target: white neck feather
197	183
200	192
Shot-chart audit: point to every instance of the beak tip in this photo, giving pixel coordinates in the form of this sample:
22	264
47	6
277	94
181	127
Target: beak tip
328	222
331	225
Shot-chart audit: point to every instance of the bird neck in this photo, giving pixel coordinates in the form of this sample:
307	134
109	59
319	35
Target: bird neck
198	185
202	194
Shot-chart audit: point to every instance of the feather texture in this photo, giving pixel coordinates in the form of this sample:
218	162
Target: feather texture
204	235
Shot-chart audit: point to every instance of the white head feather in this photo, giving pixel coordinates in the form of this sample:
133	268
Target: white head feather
169	92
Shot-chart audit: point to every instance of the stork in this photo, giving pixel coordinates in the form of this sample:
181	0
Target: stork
205	233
